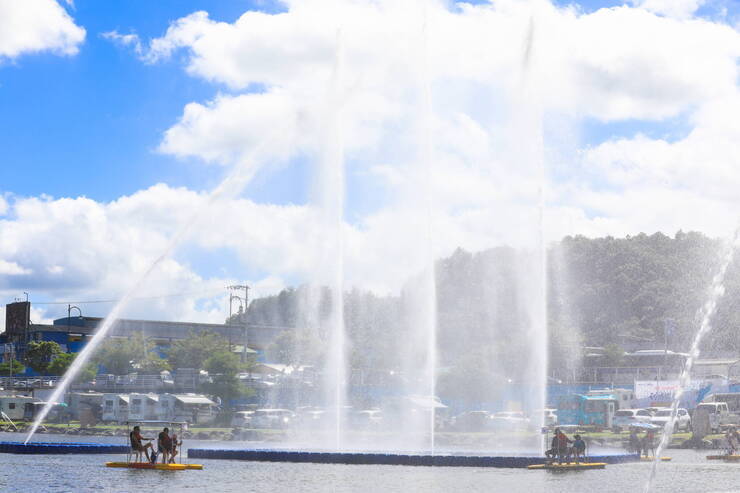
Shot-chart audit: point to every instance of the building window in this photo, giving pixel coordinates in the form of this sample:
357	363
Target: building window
11	405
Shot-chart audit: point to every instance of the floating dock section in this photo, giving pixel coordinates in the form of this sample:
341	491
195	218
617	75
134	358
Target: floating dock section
376	458
51	448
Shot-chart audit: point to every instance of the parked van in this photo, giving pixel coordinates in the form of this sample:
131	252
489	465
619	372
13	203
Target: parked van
596	410
622	397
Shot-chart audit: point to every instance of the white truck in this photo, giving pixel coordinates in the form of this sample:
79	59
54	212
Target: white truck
717	415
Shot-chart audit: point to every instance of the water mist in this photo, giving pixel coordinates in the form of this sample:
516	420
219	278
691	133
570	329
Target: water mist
705	314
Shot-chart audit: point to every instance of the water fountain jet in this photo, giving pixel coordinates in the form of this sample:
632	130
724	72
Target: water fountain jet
705	313
235	181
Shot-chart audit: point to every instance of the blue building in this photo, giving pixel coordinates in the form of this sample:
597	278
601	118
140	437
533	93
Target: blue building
72	333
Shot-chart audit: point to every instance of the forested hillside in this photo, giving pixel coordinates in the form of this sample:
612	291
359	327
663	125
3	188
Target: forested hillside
626	292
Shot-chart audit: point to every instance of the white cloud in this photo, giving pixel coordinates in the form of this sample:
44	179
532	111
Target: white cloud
38	316
131	40
31	26
12	269
681	9
612	64
228	128
123	237
617	64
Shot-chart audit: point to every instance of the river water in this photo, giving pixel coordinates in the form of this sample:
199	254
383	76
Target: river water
689	472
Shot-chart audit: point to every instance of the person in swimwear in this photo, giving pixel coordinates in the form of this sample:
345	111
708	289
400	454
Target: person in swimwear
175	445
137	446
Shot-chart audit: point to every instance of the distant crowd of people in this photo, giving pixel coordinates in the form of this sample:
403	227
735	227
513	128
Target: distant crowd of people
167	446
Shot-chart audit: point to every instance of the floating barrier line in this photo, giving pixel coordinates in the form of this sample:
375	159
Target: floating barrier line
365	458
51	448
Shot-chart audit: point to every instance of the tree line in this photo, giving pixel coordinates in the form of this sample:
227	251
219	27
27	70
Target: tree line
640	291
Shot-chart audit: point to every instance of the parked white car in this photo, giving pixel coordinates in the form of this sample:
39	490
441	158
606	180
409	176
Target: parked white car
510	420
366	419
683	420
272	418
242	419
472	421
623	418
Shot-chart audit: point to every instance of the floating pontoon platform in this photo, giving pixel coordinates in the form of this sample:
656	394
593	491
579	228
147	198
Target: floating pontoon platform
52	448
570	466
377	458
158	467
725	457
651	459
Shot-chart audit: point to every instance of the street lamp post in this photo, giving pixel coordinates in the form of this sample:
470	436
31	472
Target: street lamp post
69	314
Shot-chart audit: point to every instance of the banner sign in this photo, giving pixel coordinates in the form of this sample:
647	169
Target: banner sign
665	390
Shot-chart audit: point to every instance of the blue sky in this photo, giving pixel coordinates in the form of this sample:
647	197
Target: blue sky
90	124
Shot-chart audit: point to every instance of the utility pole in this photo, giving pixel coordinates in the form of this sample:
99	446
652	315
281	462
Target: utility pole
245	305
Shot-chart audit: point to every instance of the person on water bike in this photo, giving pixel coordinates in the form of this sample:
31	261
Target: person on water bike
733	440
175	445
579	448
164	444
562	446
137	446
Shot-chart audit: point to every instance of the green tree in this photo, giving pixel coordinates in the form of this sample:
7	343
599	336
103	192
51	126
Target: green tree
194	350
13	367
295	347
223	368
136	353
40	353
63	361
613	355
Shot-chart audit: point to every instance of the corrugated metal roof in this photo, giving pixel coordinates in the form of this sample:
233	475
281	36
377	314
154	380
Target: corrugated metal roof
194	399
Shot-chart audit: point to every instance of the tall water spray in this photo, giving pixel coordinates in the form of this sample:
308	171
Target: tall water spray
532	273
705	314
331	219
241	174
429	284
418	350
